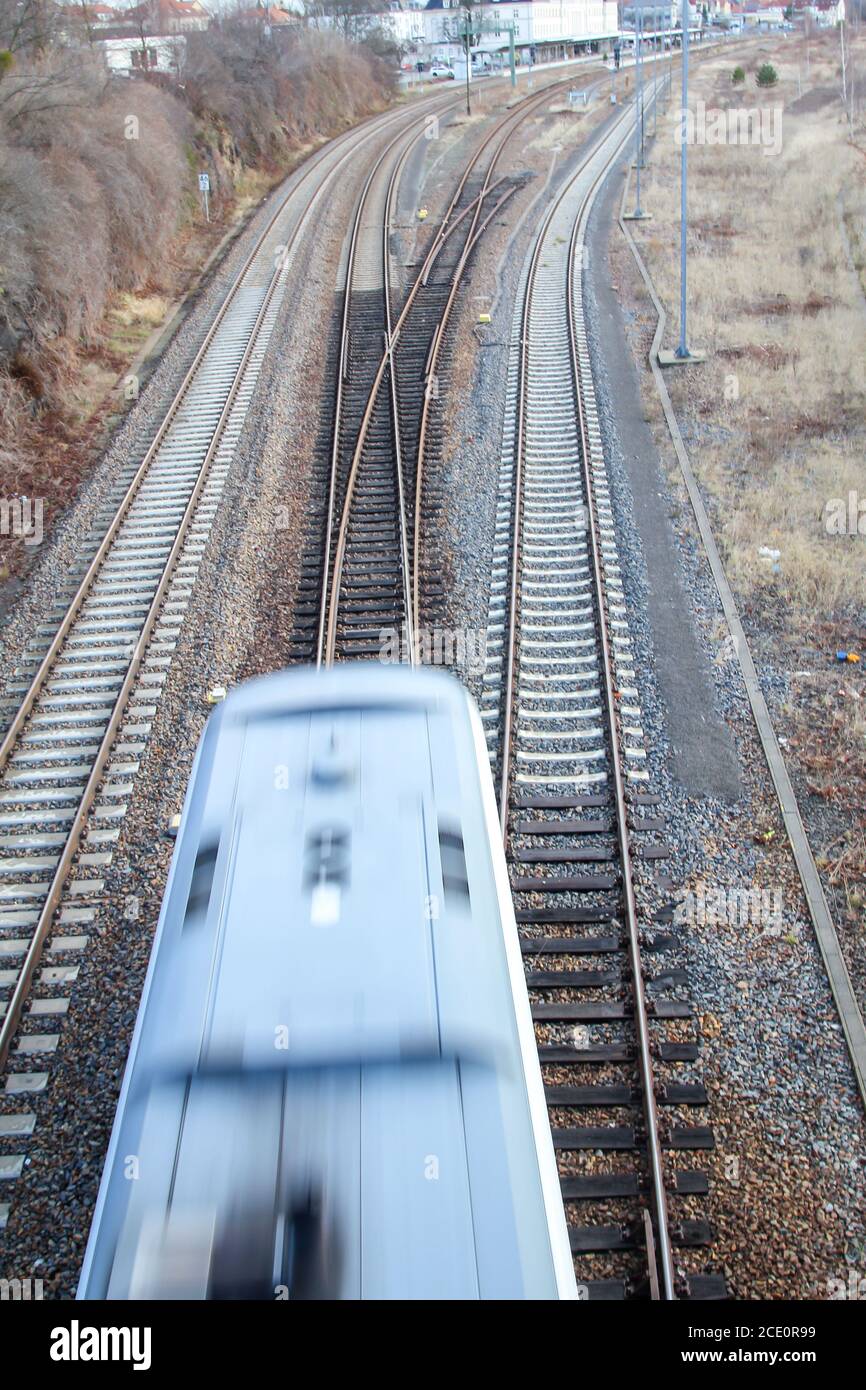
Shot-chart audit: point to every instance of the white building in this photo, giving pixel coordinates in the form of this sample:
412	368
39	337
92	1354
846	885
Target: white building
541	25
667	14
129	56
763	16
404	22
830	11
544	30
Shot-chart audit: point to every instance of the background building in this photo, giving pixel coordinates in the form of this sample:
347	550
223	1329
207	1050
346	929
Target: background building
544	30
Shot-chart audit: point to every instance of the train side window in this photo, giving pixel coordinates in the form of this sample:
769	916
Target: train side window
201	883
452	857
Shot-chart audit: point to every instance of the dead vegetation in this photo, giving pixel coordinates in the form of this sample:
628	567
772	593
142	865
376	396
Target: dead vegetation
776	417
100	222
776	296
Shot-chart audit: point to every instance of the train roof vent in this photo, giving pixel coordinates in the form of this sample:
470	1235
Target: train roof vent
201	884
452	856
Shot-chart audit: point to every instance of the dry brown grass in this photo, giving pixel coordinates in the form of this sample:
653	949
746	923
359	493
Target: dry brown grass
776	417
776	296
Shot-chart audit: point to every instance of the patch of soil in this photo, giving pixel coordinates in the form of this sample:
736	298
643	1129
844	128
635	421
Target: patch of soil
814	100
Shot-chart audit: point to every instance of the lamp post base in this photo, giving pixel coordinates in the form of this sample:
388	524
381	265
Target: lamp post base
672	358
637	216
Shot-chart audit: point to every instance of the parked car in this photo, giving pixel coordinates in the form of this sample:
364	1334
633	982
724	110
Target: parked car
439	70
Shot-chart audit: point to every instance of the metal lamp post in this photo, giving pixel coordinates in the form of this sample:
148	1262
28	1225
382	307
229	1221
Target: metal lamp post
639	83
655	69
682	353
467	34
683	349
671	50
638	215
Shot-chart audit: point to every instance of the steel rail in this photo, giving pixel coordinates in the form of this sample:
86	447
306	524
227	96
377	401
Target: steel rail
658	1250
38	679
475	232
46	916
512	118
329	600
520	111
505	770
326	641
663	1250
430	373
410	649
360	208
36	944
514	578
329	605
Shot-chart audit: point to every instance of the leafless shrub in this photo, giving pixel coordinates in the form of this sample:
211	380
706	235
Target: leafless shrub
272	98
84	209
97	184
27	26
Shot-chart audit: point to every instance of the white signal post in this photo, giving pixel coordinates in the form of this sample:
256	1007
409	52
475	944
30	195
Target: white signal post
204	189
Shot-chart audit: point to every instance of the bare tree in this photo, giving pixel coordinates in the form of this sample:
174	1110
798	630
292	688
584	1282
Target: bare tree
349	18
84	19
27	27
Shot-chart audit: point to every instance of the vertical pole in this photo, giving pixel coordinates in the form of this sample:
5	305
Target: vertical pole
638	210
671	51
844	73
639	75
854	84
467	37
511	56
683	349
655	69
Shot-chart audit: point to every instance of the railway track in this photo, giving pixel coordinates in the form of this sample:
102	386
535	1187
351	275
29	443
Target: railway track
579	819
80	707
78	711
370	573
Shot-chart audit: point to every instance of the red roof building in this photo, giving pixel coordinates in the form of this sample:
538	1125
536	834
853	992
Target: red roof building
267	14
167	16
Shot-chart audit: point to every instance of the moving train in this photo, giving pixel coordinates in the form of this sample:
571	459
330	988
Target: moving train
333	1090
